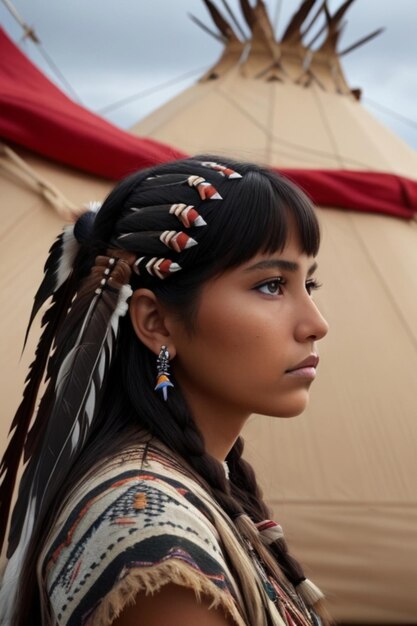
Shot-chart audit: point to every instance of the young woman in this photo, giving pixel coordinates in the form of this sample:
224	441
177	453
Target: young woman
136	506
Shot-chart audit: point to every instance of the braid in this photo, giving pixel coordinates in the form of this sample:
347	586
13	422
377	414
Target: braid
247	490
149	224
172	423
244	485
155	210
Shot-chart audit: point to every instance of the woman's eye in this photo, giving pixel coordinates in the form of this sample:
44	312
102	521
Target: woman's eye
272	287
312	285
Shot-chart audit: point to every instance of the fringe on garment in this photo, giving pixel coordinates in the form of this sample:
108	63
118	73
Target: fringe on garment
150	580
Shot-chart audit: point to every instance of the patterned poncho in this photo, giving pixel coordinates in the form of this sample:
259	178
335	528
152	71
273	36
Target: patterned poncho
137	523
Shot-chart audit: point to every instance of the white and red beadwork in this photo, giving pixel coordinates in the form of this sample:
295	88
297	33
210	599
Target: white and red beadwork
270	530
187	215
204	188
222	169
177	241
161	268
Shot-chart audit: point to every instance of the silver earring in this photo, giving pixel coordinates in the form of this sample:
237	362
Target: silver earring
162	378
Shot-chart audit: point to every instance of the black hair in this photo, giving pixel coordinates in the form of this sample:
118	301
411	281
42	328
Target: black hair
255	215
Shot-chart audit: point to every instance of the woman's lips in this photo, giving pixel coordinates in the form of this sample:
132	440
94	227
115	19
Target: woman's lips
303	372
306	368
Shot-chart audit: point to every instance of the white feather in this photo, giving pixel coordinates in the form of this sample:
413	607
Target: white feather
12	572
9	583
90	403
93	205
310	592
75	436
122	305
70	247
102	366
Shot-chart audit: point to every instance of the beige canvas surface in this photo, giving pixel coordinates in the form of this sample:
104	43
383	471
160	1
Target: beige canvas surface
341	478
29	227
278	124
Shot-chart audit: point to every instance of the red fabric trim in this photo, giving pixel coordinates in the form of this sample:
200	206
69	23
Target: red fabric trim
38	116
375	192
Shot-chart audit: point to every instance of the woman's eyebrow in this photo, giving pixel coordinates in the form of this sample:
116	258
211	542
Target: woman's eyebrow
281	264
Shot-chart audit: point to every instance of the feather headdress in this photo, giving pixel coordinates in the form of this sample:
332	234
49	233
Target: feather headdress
58	284
82	350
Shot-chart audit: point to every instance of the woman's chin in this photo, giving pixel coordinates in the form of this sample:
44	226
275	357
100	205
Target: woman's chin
291	408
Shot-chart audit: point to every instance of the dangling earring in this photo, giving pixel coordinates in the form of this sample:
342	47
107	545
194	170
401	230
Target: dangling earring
162	379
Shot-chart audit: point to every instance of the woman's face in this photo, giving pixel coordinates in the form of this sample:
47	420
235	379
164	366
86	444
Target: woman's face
255	324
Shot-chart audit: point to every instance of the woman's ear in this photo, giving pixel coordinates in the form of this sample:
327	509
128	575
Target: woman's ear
149	320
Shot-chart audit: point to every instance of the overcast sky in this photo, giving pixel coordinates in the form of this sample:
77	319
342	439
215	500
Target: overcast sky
109	51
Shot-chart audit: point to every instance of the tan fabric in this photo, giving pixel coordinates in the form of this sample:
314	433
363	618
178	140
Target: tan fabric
278	124
341	477
353	453
29	226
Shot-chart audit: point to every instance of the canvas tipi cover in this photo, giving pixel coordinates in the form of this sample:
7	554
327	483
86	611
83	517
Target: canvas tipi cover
340	478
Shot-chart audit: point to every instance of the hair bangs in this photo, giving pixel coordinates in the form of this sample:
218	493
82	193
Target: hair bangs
301	210
256	216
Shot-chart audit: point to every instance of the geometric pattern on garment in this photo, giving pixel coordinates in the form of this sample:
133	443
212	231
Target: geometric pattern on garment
135	525
133	521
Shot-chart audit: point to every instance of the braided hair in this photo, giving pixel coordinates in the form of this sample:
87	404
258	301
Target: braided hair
169	228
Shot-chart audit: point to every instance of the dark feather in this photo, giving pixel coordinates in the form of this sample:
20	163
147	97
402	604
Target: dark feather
297	20
11	459
222	24
148	218
248	13
63	298
148	243
57	268
83	365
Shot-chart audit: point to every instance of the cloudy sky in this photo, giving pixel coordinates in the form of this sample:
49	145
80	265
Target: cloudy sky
112	51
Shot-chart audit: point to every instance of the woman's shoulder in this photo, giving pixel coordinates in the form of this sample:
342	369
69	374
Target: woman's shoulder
128	493
134	524
137	487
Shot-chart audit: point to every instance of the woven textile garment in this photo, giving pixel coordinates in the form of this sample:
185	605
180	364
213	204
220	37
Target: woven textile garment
135	525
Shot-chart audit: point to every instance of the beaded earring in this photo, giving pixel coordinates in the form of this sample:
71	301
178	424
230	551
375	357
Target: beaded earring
162	379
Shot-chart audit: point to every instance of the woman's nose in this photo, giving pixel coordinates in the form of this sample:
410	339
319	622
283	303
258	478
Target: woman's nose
312	326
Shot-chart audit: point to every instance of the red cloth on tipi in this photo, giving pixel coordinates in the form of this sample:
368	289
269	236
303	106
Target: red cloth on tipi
35	114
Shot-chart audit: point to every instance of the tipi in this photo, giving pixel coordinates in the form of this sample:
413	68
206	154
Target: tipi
342	478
